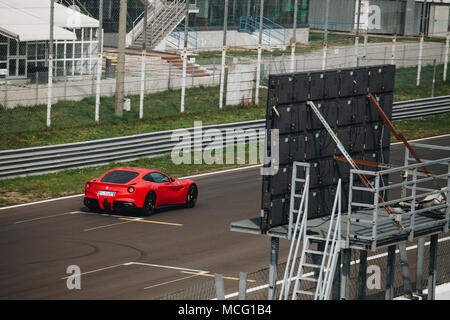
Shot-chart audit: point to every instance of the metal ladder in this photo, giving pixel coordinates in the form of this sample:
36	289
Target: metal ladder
299	231
329	257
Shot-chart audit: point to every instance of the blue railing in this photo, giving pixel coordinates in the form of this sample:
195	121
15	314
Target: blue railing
271	29
176	37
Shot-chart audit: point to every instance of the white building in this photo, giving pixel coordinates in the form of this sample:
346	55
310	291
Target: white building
25	35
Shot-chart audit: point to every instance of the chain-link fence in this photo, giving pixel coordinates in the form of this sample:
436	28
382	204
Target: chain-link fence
24	103
159	85
375	289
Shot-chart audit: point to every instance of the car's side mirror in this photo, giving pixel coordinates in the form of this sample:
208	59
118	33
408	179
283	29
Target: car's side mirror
171	179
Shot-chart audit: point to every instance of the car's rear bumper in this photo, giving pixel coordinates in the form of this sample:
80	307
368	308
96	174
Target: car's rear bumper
109	204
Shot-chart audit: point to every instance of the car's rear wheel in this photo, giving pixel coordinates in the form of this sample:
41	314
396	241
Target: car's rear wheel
91	205
191	196
149	204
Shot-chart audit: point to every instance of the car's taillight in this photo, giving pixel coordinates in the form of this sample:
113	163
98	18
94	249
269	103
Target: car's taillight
131	189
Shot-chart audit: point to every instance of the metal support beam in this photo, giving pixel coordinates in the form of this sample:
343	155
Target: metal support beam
407	287
258	64
274	248
362	275
294	36
99	61
220	291
419	265
224	53
432	267
143	62
242	285
50	66
390	273
345	282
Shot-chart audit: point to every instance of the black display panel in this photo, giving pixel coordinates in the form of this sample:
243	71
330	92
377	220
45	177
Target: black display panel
340	96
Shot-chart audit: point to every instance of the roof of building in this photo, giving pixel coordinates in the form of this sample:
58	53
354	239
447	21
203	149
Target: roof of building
29	20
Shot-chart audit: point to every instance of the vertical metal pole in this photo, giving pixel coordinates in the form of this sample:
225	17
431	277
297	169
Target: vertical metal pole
6	93
99	60
294	36
258	64
120	71
37	87
65	83
362	274
432	267
394	38
274	248
192	75
419	264
220	291
390	273
433	82
214	71
447	40
325	39
170	74
224	53
143	58
365	47
242	285
345	57
345	282
50	66
336	293
404	56
424	9
358	3
419	65
405	269
419	62
183	80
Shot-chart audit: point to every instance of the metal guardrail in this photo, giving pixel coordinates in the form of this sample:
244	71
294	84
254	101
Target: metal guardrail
46	159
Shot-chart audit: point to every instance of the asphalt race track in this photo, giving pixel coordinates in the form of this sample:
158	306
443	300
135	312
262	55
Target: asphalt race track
133	257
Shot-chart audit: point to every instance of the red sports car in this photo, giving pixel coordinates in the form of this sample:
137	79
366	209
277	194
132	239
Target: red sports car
142	189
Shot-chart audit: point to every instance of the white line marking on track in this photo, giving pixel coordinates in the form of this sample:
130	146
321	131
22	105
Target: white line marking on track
164	267
46	217
41	201
97	270
198	272
176	280
193	176
113	224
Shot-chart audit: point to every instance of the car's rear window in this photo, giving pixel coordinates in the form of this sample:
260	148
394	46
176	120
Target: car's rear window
119	176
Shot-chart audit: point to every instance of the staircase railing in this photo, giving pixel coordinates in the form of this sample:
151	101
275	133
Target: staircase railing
167	20
155	8
271	29
177	37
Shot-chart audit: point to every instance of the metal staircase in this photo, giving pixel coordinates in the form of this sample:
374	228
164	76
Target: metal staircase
162	18
322	273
